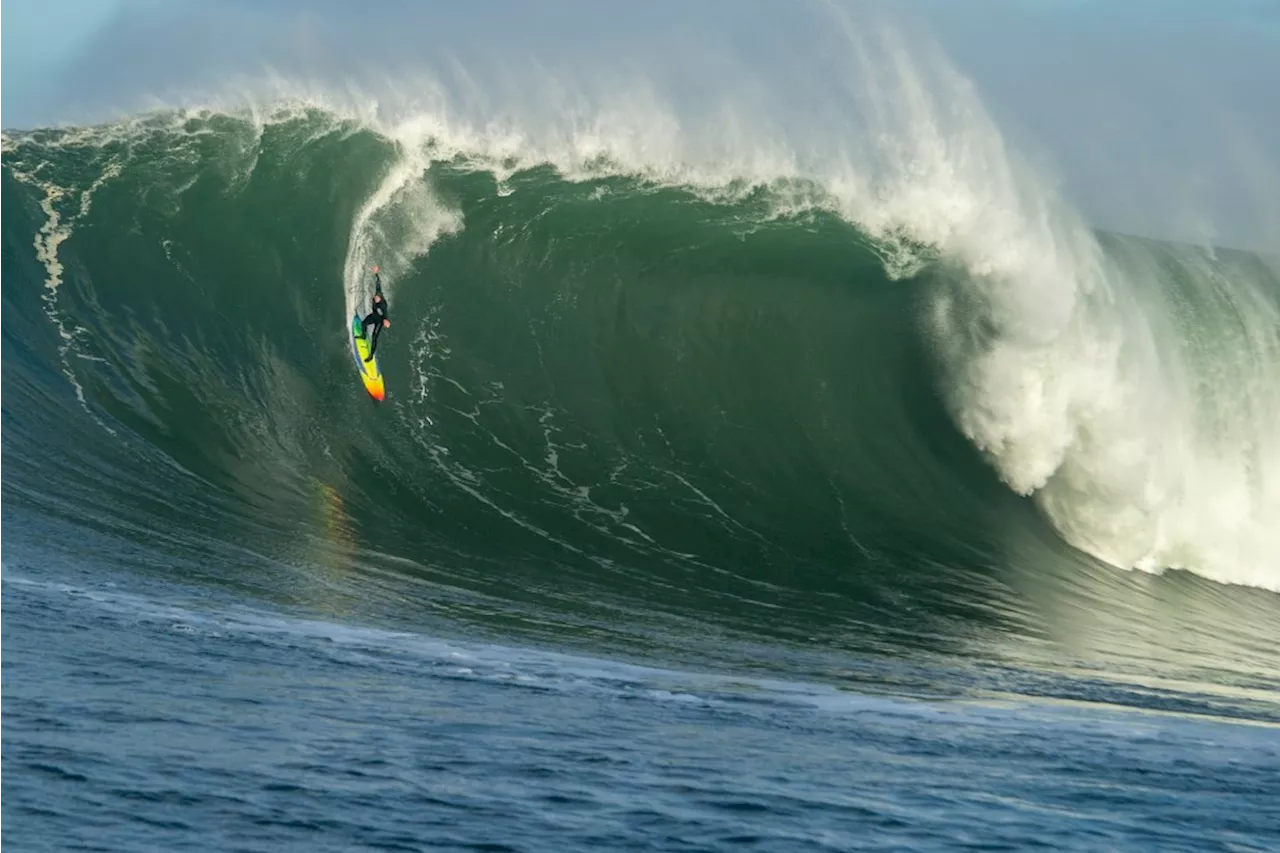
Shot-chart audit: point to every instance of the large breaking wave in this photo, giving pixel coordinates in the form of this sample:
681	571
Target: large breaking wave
850	364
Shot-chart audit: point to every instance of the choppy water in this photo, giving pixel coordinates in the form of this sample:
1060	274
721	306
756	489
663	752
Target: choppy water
136	722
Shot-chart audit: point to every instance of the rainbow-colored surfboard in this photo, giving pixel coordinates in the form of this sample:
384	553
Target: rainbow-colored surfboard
369	371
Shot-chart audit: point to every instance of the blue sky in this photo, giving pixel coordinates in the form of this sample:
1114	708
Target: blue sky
37	33
38	39
1156	112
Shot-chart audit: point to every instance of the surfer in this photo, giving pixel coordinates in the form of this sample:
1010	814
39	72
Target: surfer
377	317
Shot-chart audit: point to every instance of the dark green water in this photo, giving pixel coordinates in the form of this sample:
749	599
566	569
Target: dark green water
624	419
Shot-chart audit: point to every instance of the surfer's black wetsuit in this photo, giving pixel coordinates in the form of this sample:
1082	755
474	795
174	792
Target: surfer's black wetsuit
375	317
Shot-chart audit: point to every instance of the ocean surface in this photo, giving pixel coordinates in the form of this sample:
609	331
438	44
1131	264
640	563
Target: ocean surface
717	502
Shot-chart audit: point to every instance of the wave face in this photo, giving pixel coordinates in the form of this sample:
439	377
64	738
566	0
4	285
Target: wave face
900	399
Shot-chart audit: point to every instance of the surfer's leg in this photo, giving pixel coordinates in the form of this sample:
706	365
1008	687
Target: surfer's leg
373	342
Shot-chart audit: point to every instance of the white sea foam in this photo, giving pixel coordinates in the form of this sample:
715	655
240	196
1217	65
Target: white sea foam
63	207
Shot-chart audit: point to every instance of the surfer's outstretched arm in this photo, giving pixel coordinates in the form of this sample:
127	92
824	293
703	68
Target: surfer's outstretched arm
377	280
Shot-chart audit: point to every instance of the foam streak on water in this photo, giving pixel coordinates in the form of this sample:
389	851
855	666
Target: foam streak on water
58	226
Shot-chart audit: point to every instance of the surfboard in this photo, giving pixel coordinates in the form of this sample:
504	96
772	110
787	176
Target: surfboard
369	371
